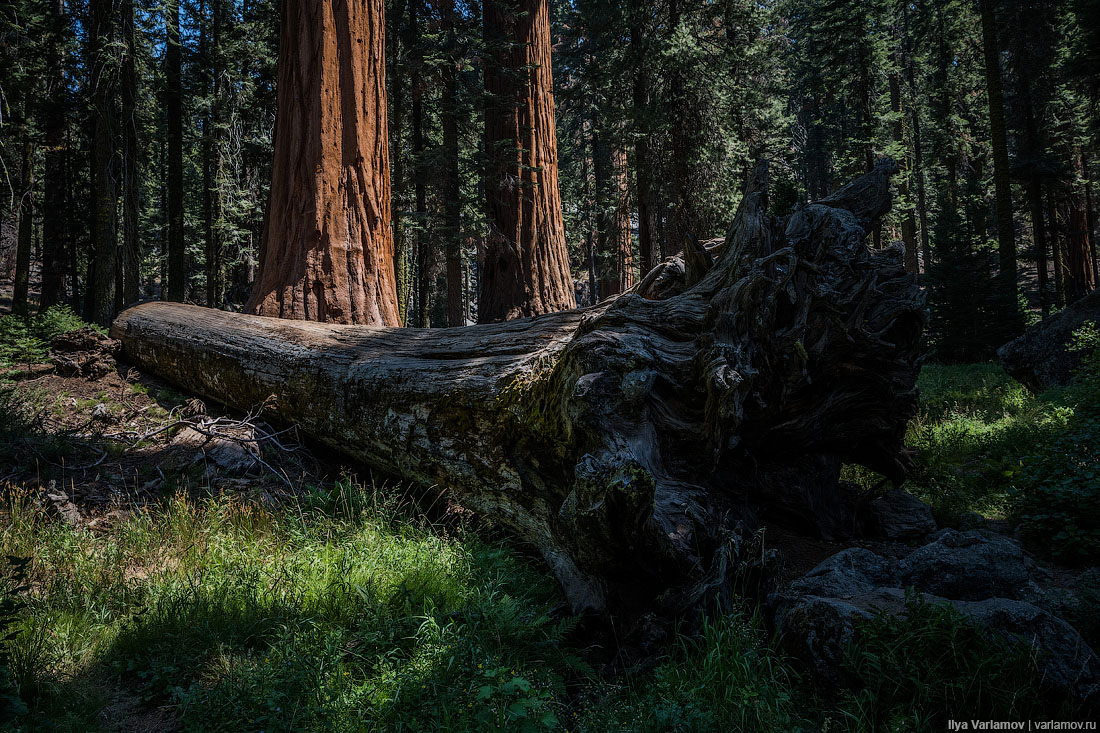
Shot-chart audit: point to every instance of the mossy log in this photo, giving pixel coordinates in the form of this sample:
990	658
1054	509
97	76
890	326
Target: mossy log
633	443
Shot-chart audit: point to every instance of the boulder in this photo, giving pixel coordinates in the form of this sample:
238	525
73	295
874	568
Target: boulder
1039	358
1065	662
898	515
970	566
987	577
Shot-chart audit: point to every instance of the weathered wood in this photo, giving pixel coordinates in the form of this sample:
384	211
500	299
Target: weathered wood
1043	357
633	442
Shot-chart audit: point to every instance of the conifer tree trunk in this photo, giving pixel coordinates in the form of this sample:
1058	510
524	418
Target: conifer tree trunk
327	249
21	283
128	284
1039	237
424	260
173	105
212	157
54	178
104	265
526	269
1090	216
398	82
1057	249
683	210
1002	181
615	242
452	188
908	222
1078	245
643	178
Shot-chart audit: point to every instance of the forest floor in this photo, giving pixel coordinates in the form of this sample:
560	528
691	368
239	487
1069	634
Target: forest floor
192	569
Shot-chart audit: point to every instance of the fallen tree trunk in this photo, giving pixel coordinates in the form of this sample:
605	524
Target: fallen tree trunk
1044	355
634	442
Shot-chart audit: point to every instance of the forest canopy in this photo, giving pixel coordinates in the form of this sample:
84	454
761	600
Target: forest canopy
137	145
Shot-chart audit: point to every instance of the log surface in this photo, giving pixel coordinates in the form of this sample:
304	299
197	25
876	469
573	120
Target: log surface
633	443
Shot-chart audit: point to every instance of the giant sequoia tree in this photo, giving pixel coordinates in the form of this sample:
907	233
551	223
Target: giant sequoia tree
327	249
526	263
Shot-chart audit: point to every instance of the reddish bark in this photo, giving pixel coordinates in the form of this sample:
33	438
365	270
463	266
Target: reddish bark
327	249
615	239
526	269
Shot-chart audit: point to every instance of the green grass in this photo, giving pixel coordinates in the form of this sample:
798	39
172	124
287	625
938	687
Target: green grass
335	613
347	610
973	427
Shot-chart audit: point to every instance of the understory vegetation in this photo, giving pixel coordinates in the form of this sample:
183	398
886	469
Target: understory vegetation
350	605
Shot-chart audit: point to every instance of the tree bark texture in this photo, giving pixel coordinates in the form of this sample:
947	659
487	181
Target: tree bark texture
128	285
21	281
103	268
1078	249
616	244
452	181
643	176
1002	181
54	178
526	270
635	442
327	249
173	106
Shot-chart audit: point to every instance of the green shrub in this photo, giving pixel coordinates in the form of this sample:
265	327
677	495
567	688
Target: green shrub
25	340
1056	496
973	425
916	671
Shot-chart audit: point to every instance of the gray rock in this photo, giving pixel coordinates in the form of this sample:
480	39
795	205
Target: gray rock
1066	663
847	574
898	515
816	630
970	566
817	615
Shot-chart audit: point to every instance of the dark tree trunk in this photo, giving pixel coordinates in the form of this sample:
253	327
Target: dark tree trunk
452	184
1038	232
615	242
1002	181
173	108
212	156
591	235
684	223
103	269
601	169
526	269
398	204
327	250
55	183
635	444
918	153
1057	251
128	284
1090	206
1078	246
425	261
643	176
908	221
21	283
